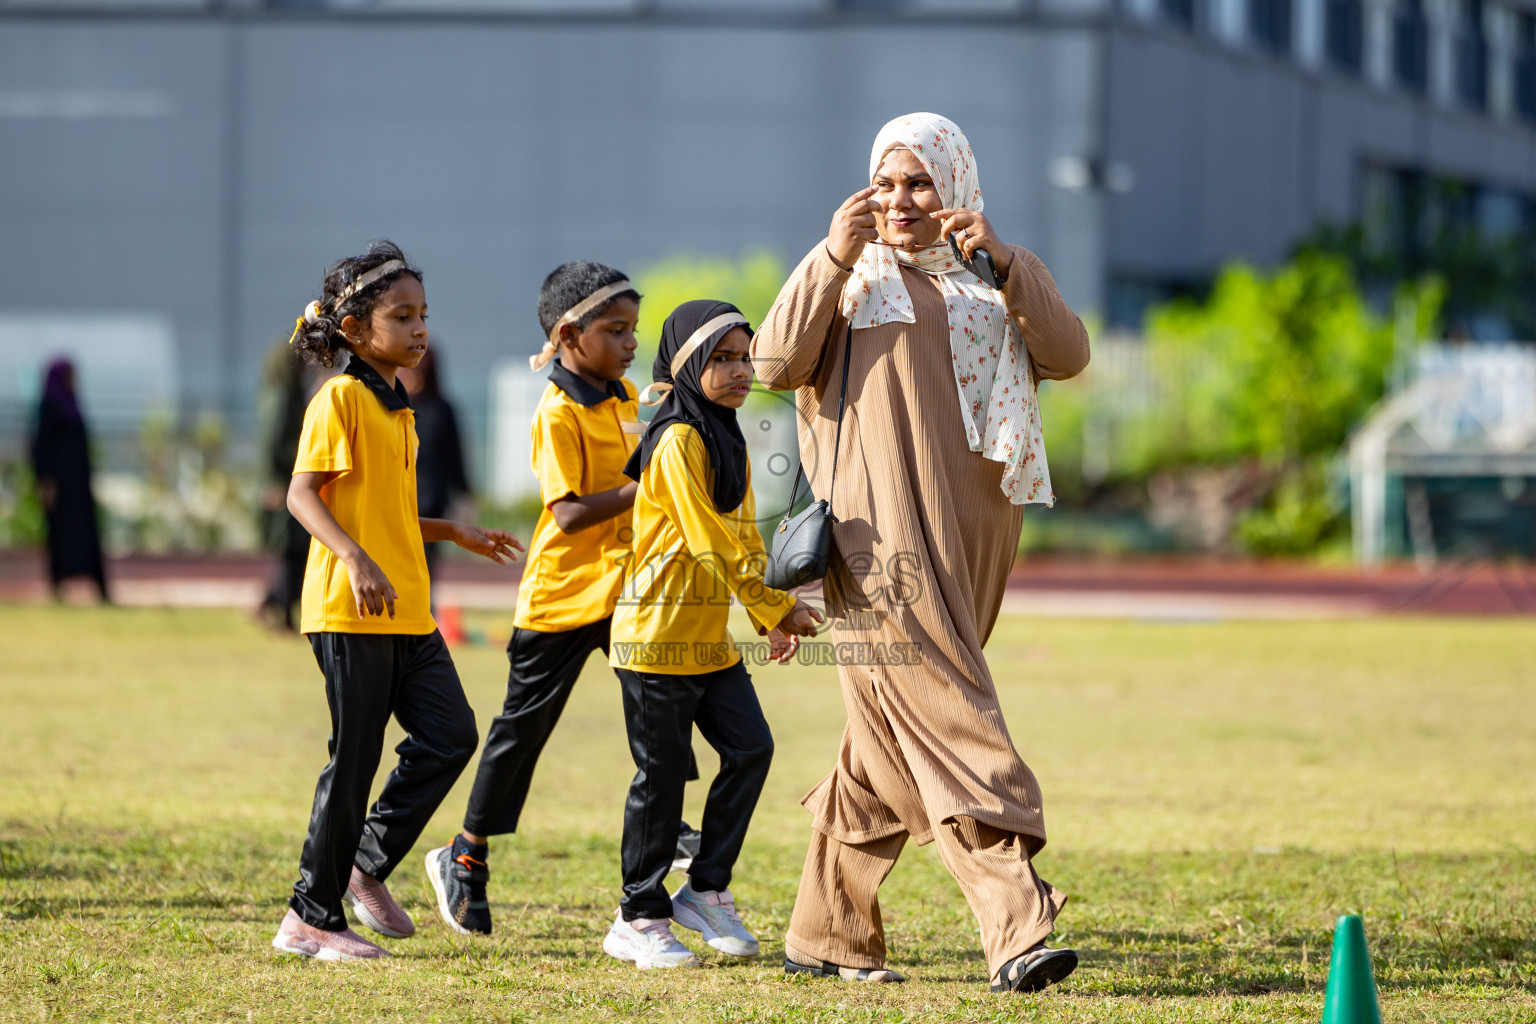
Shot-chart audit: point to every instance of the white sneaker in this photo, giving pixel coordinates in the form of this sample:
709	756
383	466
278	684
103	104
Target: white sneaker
647	943
714	915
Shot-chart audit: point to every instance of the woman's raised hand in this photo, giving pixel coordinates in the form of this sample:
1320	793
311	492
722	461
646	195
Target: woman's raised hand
853	227
977	234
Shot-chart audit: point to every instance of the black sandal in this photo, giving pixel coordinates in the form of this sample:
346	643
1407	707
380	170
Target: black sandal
1035	970
827	969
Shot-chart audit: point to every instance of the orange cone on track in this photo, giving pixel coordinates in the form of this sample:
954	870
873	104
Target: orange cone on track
450	624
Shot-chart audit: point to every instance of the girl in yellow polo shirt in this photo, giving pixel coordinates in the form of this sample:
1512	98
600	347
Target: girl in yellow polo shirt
696	546
365	607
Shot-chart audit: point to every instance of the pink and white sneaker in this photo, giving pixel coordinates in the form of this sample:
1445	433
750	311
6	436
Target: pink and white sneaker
376	908
647	944
713	914
294	936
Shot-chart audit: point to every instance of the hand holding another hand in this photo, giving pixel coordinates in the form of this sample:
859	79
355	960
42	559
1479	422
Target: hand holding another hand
801	621
782	646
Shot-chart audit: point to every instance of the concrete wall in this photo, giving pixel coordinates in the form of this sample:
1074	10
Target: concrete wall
206	169
1236	154
200	170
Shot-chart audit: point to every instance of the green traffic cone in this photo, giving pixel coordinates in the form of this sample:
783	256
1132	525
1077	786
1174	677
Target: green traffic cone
1351	988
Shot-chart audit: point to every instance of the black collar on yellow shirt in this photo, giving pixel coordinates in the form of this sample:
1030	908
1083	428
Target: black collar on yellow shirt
394	399
580	391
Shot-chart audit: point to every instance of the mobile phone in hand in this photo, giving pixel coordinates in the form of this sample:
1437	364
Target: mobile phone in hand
981	265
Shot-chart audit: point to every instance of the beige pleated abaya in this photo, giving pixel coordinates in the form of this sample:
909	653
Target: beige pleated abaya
925	541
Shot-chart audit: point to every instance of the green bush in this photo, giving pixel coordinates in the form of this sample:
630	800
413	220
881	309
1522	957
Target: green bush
518	517
21	513
751	282
1223	426
1274	372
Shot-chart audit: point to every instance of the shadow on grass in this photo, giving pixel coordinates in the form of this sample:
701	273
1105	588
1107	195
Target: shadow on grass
1171	925
1161	964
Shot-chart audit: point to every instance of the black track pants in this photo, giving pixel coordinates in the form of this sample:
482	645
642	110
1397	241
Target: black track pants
543	669
368	677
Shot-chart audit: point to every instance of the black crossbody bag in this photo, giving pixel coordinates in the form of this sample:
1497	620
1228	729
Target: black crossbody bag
802	545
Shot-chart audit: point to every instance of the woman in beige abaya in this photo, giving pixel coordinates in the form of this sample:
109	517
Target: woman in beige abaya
940	450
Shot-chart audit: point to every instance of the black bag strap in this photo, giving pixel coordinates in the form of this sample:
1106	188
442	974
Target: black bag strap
842	399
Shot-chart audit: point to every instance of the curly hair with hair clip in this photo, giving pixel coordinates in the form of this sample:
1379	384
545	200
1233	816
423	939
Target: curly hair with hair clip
318	337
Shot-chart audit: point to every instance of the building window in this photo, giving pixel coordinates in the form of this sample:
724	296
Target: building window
1411	215
1269	24
1180	12
1410	45
1391	210
1525	66
1129	297
1500	213
1471	55
1344	34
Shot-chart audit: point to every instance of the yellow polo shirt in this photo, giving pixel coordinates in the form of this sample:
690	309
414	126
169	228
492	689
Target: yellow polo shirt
687	563
364	431
579	448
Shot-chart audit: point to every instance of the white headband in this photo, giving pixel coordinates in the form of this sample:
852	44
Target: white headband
576	312
382	270
313	311
655	392
702	335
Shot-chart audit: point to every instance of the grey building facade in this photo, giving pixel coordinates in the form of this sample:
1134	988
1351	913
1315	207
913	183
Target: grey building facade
179	173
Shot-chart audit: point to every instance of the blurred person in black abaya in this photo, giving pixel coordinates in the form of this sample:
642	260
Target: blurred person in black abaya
61	464
280	408
440	476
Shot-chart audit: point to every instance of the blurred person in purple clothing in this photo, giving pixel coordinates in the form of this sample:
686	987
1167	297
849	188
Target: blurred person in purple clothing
61	464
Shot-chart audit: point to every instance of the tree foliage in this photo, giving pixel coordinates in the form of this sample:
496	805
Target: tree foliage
1225	422
1274	371
1279	367
751	282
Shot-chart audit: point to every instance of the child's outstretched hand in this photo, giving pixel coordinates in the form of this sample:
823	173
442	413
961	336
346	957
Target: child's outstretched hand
371	589
801	620
497	545
782	646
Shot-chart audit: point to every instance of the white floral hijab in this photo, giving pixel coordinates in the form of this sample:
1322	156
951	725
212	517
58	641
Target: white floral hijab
998	401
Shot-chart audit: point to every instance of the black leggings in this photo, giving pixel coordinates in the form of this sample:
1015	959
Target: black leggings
368	677
660	711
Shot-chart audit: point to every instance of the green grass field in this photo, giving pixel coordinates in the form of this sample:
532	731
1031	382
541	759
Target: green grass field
1216	795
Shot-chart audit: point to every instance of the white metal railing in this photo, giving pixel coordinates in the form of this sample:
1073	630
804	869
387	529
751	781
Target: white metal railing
1470	410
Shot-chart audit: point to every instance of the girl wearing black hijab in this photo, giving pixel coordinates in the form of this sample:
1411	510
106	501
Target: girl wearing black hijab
61	464
695	546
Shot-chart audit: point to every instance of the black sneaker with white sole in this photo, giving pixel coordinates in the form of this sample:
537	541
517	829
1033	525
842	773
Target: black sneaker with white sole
688	841
458	873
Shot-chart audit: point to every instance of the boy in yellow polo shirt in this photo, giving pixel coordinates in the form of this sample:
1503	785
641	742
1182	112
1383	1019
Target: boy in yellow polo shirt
575	561
696	547
354	490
